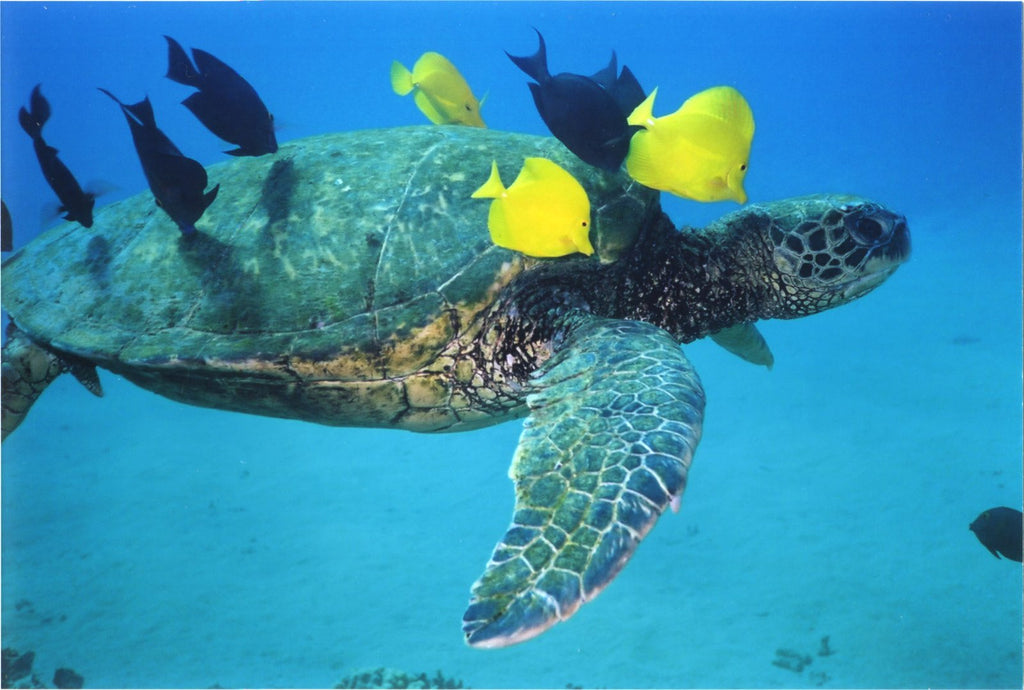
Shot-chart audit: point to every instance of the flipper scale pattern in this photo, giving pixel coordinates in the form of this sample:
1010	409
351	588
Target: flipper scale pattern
616	416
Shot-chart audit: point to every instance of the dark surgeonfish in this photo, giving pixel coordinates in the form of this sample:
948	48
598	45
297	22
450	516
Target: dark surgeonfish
75	204
6	229
177	182
1000	531
587	114
624	88
226	103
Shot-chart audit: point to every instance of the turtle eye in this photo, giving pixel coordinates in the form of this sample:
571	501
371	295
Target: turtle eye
871	227
870	230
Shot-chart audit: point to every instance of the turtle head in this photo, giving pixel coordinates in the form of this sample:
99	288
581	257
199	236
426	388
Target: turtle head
828	250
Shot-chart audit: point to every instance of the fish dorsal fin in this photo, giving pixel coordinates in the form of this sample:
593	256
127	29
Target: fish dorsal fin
180	172
432	62
643	114
724	104
212	67
540	169
606	76
627	91
493	187
209	197
746	342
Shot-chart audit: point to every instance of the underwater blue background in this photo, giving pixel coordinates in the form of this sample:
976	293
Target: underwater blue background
146	543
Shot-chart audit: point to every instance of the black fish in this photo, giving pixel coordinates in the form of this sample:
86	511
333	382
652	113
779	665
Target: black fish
226	103
625	88
75	204
999	531
587	114
176	181
6	229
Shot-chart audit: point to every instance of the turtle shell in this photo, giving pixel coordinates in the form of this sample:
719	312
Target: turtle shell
345	259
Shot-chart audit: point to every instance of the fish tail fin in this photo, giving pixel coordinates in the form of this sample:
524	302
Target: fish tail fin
493	187
29	124
143	112
536	65
33	119
40	106
112	96
643	114
401	78
179	67
125	109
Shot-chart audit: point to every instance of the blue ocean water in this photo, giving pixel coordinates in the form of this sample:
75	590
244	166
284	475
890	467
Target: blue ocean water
149	544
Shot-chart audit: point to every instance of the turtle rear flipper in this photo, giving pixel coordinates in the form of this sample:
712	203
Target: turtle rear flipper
746	342
27	370
616	417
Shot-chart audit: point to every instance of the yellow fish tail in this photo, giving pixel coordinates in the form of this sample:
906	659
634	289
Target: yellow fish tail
401	78
493	187
643	114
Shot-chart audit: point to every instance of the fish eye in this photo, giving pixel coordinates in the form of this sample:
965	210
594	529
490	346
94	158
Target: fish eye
743	167
584	223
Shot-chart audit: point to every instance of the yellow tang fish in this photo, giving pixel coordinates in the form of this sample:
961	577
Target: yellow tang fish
700	151
441	92
545	212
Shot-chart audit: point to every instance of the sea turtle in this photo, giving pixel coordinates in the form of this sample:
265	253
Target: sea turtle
350	280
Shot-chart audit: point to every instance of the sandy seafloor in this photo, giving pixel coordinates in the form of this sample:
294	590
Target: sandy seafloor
146	543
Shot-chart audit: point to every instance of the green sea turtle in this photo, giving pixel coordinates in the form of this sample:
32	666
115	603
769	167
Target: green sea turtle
350	280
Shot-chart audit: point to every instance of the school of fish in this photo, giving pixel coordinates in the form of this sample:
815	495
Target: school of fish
225	103
699	152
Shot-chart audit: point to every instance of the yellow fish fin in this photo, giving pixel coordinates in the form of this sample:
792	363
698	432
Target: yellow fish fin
498	226
643	114
493	187
430	108
725	104
401	78
433	62
544	170
645	162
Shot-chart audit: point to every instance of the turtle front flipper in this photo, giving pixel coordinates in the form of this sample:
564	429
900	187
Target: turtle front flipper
615	418
26	372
